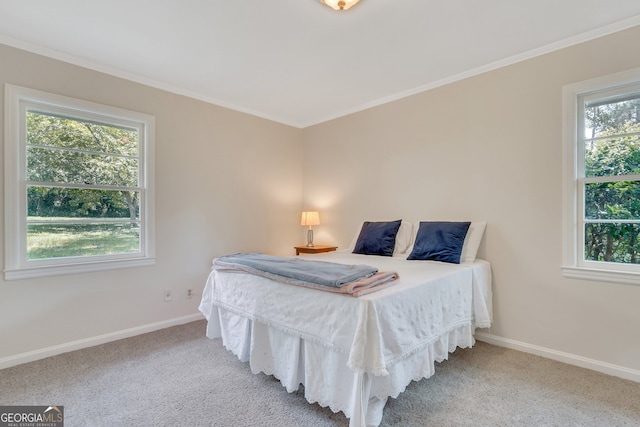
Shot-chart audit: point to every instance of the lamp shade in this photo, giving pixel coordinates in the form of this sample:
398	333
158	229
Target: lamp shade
310	218
340	4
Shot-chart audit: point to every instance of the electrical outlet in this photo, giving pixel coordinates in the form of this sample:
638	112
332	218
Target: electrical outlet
189	293
167	295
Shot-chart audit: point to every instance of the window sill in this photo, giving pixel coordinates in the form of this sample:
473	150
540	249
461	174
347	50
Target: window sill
88	267
622	277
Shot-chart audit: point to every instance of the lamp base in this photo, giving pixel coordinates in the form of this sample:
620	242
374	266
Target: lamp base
310	238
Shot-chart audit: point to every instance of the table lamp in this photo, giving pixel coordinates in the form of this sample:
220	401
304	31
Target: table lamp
309	219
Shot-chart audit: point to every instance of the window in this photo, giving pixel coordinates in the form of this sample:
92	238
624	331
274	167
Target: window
602	179
78	186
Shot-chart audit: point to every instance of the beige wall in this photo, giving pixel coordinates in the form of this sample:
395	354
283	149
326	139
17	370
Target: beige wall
225	182
486	148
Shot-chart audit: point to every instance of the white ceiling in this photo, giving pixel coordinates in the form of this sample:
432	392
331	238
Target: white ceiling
297	61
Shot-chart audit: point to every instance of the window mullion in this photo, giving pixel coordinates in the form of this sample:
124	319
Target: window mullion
82	186
617	136
77	150
610	178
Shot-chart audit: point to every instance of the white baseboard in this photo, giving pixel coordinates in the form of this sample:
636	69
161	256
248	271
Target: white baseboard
31	356
571	359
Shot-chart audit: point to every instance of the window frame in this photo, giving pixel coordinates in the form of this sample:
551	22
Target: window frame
574	265
17	100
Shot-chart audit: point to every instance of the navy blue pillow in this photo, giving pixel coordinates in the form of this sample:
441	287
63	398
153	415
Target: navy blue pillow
377	238
440	241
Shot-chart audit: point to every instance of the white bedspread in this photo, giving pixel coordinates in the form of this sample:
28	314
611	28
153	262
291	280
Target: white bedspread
376	330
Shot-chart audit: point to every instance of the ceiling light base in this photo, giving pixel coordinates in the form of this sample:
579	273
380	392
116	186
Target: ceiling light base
340	4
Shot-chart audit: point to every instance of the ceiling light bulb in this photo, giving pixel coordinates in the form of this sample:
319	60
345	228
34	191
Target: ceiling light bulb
340	4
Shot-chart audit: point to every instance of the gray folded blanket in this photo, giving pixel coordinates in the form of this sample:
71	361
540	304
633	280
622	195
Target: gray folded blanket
354	280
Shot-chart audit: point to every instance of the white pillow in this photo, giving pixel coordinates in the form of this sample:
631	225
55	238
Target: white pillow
471	240
403	238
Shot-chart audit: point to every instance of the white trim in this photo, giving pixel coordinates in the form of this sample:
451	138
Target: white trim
621	277
570	166
533	53
137	78
17	99
560	356
117	72
30	356
85	267
574	266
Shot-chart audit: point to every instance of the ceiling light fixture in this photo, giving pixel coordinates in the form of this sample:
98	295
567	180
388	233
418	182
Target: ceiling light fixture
340	4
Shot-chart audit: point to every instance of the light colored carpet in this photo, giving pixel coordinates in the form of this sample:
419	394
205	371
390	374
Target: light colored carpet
178	377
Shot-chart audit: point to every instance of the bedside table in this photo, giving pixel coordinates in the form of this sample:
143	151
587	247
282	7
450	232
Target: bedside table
316	249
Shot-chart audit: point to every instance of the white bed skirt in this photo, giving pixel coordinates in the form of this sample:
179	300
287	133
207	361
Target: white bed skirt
323	371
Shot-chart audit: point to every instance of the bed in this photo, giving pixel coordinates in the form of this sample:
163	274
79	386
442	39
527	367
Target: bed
352	354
